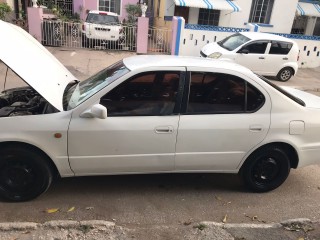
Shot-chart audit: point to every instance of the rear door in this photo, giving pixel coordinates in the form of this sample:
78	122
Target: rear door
223	117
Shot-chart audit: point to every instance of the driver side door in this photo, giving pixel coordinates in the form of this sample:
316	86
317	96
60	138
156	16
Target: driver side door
139	135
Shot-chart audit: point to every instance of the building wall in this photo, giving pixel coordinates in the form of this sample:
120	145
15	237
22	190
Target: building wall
166	8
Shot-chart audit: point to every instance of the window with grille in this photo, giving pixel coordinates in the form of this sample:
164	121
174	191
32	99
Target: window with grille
64	6
110	6
261	11
208	17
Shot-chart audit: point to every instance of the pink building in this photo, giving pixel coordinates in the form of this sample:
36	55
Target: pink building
117	6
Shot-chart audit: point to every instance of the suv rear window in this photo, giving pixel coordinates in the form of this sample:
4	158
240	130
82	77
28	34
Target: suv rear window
101	18
281	48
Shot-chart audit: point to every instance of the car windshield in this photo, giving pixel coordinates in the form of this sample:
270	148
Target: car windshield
232	42
297	100
102	18
78	92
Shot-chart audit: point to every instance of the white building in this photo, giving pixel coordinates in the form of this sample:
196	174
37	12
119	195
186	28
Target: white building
278	16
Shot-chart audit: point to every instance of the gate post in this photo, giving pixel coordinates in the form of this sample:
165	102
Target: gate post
35	16
177	32
142	35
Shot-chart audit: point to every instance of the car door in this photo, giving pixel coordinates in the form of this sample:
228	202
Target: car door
139	133
223	117
255	57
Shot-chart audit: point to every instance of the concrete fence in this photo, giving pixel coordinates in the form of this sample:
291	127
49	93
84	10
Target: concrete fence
188	40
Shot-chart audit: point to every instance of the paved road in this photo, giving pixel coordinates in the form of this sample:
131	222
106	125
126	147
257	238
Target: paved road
169	199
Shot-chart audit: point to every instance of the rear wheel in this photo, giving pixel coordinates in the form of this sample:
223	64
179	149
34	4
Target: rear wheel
24	174
285	74
266	169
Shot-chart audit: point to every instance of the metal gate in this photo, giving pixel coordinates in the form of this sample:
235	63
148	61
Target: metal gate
71	35
159	40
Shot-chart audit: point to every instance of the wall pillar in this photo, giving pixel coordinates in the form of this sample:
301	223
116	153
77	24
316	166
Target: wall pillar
311	23
142	35
35	17
177	33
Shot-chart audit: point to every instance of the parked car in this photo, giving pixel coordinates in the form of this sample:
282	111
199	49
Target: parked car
147	114
263	53
102	28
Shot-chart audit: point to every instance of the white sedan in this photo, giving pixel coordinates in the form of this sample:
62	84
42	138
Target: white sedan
147	114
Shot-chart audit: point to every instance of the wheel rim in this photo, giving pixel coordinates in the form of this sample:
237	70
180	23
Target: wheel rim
286	74
266	171
17	176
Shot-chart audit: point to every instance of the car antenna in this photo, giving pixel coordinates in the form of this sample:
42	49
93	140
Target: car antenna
5	79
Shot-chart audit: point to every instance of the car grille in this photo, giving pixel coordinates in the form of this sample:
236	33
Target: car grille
203	55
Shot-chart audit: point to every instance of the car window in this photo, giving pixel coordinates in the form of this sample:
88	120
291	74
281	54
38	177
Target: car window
258	47
146	94
232	42
222	93
101	18
281	48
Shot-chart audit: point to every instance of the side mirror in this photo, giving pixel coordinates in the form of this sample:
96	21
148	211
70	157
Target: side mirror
96	111
244	51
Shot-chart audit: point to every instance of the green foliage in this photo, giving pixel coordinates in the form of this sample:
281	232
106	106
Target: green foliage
4	10
133	12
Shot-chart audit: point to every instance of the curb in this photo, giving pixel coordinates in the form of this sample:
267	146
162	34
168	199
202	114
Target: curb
65	224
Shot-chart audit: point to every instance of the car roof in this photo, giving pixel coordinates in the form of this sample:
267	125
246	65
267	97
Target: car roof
104	12
265	36
145	61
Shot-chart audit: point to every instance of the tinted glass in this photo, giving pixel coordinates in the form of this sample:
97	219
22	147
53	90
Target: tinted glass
101	18
146	94
281	48
232	42
257	47
255	99
216	93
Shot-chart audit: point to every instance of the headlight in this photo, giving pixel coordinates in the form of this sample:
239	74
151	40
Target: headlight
215	55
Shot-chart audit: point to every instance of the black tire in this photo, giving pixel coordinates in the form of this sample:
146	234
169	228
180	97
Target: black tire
266	169
24	173
285	74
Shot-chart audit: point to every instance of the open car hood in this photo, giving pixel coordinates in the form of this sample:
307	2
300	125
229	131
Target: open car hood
34	64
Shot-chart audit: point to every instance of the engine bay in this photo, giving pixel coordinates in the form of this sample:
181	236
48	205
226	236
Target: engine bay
23	101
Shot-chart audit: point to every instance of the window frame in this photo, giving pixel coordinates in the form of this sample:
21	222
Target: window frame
253	42
211	12
255	9
178	102
187	86
109	7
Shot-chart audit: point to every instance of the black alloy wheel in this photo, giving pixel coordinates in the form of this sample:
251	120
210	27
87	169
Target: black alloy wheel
24	174
266	169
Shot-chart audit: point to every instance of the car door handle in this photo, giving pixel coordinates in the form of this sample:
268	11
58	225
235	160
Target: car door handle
164	129
261	57
285	58
255	128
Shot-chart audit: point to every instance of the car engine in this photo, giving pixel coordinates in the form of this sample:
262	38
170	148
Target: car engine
23	101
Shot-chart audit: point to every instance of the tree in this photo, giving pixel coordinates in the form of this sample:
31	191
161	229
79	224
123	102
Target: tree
4	10
133	12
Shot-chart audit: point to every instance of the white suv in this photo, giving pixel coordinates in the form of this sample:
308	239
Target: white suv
101	28
263	53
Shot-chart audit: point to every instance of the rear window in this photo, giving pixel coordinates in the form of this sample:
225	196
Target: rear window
102	19
281	48
297	100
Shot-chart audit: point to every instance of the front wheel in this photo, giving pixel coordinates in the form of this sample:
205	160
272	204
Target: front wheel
285	74
266	169
24	174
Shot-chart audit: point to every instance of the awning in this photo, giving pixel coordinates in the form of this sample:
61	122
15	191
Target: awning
224	5
308	9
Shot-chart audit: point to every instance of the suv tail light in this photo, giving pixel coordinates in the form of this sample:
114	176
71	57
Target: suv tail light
83	27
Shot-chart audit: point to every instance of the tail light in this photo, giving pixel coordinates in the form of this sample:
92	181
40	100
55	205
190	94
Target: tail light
83	27
298	56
